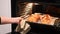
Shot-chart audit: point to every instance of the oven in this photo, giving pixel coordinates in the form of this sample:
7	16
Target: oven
51	7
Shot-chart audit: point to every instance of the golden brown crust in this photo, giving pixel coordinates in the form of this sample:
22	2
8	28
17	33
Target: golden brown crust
43	19
33	18
46	19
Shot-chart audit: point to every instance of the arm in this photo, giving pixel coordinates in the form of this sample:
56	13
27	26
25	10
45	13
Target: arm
7	20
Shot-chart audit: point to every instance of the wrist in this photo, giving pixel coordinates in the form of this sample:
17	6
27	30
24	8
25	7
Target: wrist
16	20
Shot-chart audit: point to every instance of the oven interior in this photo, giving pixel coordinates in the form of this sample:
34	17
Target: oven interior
51	7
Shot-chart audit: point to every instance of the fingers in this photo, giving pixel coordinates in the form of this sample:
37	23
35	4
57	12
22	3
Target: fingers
22	18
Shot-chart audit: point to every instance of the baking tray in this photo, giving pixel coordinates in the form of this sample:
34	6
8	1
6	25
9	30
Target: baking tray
42	28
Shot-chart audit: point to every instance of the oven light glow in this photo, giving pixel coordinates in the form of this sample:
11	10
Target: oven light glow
28	8
36	3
